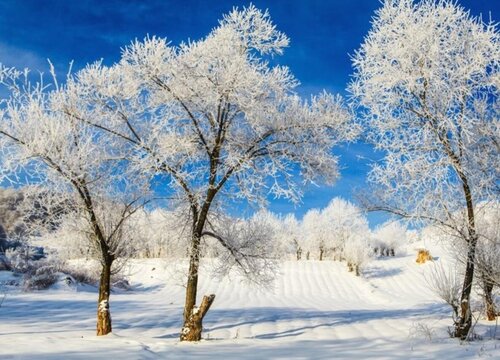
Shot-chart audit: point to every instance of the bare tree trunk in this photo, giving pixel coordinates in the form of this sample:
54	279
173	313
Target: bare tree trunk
193	317
464	323
491	313
299	253
103	312
192	282
193	326
321	252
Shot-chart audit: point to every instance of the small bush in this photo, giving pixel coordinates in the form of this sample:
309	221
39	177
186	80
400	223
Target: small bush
445	283
82	275
421	330
43	278
40	276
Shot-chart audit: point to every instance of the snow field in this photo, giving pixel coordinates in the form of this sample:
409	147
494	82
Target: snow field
314	310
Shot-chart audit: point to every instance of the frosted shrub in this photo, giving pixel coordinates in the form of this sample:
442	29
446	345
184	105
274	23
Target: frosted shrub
41	276
21	257
445	283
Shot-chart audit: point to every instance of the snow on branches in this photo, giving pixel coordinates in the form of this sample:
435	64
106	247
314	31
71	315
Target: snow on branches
426	85
426	82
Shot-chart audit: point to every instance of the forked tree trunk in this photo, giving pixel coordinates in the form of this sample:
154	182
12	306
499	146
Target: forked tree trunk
193	316
103	312
321	252
491	312
193	326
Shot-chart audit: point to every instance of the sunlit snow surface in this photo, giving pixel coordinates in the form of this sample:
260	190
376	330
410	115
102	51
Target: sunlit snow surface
316	310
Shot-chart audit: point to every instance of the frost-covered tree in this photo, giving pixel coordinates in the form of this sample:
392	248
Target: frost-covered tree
292	237
487	260
426	85
160	233
217	121
332	228
388	237
317	235
357	252
348	228
345	223
71	166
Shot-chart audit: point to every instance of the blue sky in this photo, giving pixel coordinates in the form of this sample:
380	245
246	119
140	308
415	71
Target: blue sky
323	33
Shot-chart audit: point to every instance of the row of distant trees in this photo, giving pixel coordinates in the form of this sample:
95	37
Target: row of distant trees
211	122
340	232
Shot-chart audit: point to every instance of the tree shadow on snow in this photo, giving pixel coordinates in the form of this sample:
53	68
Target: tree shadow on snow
254	316
378	272
80	314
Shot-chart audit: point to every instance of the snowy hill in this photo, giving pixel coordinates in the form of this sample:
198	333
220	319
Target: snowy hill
314	310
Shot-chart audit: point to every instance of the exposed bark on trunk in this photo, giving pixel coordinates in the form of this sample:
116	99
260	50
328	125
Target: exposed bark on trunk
464	323
103	312
299	254
189	332
491	312
193	326
192	282
321	252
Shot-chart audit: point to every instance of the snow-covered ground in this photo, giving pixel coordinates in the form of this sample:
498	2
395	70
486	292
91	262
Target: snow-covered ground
315	310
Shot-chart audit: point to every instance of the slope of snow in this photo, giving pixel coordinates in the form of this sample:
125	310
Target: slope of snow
315	310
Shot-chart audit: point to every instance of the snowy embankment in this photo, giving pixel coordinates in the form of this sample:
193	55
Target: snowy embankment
315	310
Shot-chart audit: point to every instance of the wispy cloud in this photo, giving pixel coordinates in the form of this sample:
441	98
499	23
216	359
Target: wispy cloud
20	58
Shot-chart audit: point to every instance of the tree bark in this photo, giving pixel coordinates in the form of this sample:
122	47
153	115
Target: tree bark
321	252
491	313
103	312
464	323
190	332
193	326
192	281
